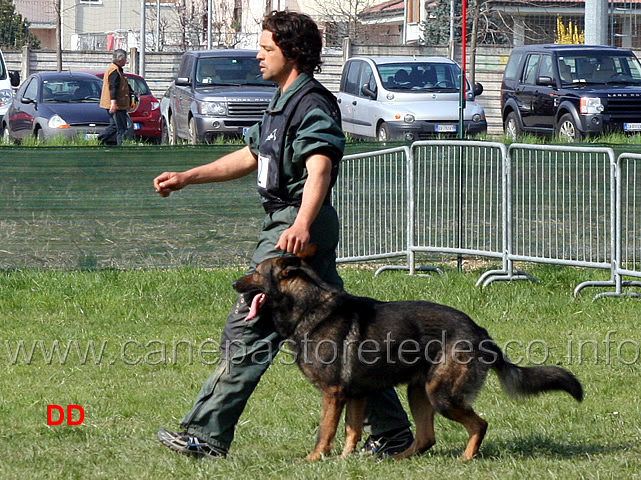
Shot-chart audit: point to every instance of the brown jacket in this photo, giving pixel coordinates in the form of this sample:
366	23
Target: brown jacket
122	94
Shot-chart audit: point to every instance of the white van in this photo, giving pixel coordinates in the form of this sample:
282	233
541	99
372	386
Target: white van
406	98
7	80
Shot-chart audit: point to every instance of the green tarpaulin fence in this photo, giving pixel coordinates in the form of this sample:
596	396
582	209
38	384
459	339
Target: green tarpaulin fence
95	207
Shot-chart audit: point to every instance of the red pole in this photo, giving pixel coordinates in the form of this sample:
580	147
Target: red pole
464	35
463	55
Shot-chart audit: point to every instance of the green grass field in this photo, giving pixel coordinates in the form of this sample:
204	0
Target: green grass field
142	377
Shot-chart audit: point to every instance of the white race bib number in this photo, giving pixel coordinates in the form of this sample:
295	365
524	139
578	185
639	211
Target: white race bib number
263	170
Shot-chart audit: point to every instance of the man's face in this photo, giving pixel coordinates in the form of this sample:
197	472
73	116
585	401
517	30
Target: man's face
274	66
123	62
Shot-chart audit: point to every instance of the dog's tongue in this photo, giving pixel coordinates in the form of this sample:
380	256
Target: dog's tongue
257	301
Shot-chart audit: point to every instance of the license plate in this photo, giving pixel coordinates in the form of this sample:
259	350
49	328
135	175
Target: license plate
90	136
632	127
445	128
136	126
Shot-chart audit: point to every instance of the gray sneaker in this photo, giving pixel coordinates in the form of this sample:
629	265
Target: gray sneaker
388	444
187	444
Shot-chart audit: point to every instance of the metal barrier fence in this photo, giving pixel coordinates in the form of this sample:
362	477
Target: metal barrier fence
373	191
459	197
627	257
95	208
560	205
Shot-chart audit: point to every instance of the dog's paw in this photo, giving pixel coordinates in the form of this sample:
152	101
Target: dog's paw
345	455
313	457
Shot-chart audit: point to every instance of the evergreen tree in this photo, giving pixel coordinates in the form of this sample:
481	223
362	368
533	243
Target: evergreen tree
436	28
14	30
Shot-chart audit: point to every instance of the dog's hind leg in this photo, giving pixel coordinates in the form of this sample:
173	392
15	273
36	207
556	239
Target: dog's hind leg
423	414
475	426
333	401
455	409
451	390
354	418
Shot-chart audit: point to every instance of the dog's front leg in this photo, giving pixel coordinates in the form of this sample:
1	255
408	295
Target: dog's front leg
354	417
333	401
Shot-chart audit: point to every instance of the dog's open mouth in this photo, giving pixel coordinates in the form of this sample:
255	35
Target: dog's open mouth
257	302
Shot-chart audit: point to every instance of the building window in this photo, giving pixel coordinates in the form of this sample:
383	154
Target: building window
413	11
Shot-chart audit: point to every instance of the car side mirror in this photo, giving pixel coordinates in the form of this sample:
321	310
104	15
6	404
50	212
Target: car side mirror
27	100
545	81
14	76
368	92
182	82
478	89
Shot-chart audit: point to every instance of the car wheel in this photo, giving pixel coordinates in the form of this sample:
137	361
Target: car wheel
567	129
164	132
40	135
172	137
512	128
382	134
193	134
6	139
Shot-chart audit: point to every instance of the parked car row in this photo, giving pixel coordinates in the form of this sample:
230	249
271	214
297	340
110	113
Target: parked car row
567	90
66	104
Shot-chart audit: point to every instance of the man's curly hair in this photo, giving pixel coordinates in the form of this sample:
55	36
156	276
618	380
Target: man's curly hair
298	37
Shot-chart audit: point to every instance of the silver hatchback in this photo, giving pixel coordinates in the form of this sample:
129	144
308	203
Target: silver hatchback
406	98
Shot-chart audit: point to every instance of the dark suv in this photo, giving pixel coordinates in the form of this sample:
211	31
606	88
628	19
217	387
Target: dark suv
571	91
216	93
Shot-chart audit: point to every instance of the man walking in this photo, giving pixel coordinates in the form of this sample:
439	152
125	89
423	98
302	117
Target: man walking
115	98
296	149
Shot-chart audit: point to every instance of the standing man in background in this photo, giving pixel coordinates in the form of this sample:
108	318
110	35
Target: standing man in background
115	98
296	150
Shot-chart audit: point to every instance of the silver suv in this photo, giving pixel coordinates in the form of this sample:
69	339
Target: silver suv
216	93
408	98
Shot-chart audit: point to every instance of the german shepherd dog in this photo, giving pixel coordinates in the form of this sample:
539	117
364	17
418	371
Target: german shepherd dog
350	346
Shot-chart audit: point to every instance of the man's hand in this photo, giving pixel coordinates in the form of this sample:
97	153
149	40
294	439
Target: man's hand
113	106
168	182
293	240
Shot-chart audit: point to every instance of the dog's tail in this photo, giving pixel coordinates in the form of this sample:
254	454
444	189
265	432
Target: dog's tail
525	381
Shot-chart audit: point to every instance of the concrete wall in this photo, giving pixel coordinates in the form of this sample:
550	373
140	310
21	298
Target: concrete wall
160	68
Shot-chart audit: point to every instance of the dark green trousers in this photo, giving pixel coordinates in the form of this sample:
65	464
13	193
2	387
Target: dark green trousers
248	348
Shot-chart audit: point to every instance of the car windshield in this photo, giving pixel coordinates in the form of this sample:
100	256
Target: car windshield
229	71
420	76
71	90
602	68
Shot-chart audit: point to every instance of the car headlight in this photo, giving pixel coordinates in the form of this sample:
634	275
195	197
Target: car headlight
57	122
477	117
155	106
409	118
212	108
591	105
5	97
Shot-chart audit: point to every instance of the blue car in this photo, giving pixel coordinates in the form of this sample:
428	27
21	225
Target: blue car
56	104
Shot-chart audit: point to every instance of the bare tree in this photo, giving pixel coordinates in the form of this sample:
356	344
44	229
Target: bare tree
341	19
187	23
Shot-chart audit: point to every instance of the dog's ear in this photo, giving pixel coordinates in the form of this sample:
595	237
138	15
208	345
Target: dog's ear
288	265
308	252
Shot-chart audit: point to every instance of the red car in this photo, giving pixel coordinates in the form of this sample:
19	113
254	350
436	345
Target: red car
146	117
